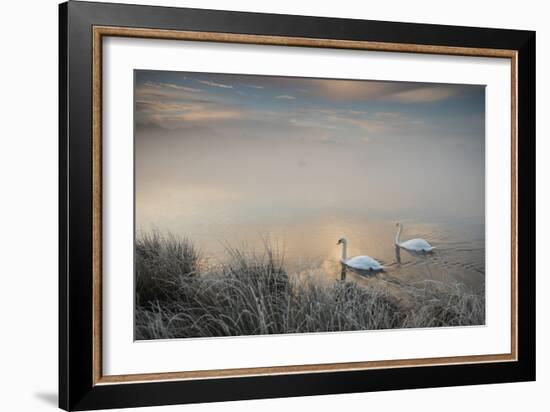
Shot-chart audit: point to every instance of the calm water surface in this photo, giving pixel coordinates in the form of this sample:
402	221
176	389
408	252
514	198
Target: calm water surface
309	247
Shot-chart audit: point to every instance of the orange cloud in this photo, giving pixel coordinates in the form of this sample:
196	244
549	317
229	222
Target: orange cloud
172	106
423	94
383	91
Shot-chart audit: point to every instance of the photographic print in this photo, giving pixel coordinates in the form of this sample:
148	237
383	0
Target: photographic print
282	205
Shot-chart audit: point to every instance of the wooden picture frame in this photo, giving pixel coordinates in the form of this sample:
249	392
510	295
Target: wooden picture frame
82	384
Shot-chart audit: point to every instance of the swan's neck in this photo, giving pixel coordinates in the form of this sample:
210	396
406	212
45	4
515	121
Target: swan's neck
344	251
398	234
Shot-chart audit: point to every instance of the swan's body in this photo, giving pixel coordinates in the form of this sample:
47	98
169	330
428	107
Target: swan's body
412	245
358	262
363	263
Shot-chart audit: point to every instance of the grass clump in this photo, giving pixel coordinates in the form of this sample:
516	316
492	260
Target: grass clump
164	264
445	304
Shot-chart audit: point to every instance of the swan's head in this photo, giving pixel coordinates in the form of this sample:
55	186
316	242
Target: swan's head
397	224
342	240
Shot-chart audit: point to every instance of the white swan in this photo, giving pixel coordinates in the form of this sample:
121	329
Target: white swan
412	245
357	262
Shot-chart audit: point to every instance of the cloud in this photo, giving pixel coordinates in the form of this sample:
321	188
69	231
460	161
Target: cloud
172	106
253	86
214	84
348	89
180	115
310	123
159	106
341	115
165	91
201	115
423	94
398	92
368	125
360	121
184	88
350	122
388	115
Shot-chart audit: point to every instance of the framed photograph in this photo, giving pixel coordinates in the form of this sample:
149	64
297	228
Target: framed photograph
257	205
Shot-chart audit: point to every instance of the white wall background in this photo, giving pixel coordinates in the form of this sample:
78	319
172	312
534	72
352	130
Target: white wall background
28	203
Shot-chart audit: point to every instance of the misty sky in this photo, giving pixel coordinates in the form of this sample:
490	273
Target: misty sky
216	152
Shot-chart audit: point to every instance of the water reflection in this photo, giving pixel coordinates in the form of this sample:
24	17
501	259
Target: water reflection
310	251
360	272
397	254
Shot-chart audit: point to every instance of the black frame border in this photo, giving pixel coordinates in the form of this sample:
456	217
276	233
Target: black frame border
76	388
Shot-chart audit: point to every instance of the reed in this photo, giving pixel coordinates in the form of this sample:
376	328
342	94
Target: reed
177	296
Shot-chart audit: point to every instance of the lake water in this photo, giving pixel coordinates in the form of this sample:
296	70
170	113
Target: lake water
309	247
305	196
